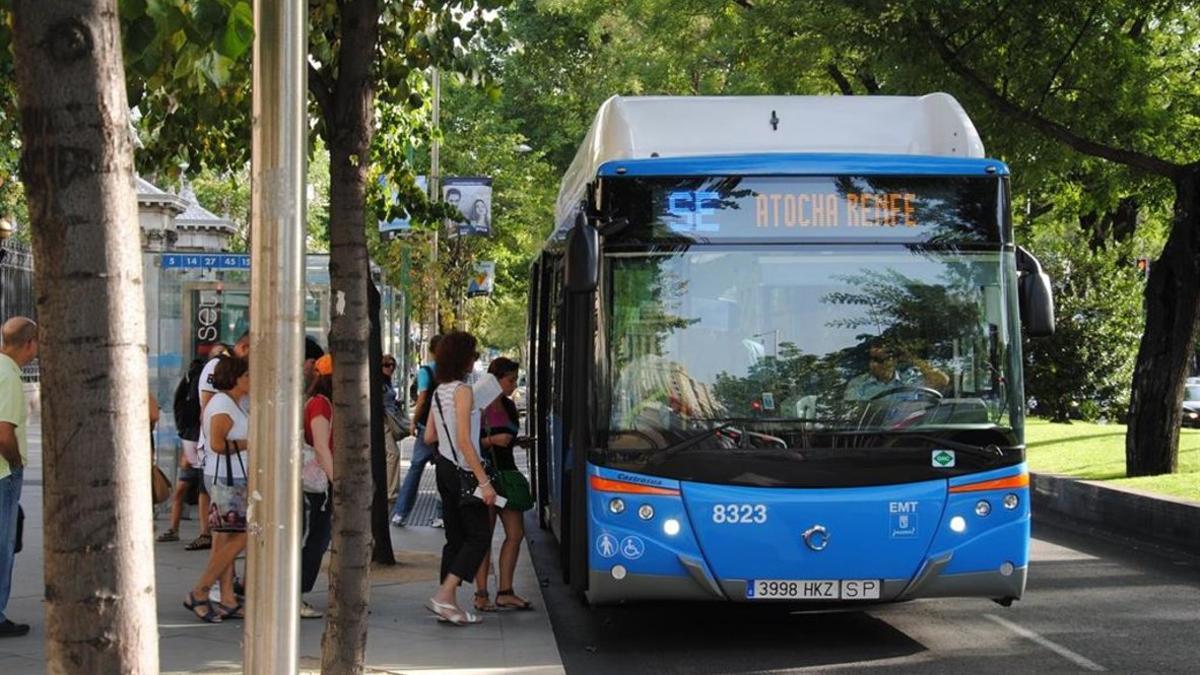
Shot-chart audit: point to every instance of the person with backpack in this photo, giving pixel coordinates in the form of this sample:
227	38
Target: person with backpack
423	453
191	467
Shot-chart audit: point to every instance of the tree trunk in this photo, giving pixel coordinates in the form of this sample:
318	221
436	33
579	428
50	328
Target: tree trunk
1172	307
349	129
381	551
77	166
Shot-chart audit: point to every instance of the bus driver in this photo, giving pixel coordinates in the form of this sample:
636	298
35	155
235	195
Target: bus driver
883	376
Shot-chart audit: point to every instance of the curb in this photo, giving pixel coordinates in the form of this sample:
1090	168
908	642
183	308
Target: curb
1161	521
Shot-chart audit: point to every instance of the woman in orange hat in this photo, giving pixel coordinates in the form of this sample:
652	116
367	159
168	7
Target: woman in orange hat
317	478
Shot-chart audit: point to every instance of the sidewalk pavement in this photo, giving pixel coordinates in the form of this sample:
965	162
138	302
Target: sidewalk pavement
403	637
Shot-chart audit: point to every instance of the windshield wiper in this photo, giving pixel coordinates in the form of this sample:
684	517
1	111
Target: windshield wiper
693	440
991	451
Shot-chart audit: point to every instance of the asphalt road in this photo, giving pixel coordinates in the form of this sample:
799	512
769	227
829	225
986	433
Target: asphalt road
1091	604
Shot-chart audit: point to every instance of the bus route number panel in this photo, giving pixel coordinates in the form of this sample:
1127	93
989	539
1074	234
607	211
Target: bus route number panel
813	589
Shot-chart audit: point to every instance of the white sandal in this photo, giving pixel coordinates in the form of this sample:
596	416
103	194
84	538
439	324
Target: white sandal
448	613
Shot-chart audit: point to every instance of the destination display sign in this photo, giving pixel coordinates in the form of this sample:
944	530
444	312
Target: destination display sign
952	209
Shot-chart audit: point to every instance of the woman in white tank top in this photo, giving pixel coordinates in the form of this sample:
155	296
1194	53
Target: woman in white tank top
456	431
227	428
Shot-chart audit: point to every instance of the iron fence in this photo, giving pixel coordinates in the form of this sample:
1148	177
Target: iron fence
17	296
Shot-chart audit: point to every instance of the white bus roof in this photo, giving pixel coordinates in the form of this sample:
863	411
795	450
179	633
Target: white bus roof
680	126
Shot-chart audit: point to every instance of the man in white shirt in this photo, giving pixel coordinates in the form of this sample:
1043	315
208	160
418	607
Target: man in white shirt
20	347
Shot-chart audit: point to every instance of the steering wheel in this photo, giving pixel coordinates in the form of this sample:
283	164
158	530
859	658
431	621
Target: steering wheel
932	394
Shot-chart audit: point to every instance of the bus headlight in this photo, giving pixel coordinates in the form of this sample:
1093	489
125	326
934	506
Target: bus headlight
616	505
645	512
1011	501
618	572
671	527
982	508
958	524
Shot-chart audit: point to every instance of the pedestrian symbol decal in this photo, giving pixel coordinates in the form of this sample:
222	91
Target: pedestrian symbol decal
606	545
942	459
632	547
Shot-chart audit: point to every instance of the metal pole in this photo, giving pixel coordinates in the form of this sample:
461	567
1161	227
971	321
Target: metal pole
279	138
435	192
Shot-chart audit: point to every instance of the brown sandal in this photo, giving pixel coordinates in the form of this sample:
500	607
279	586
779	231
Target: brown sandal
486	605
517	603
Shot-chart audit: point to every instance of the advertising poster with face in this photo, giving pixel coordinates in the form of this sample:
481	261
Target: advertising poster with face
397	226
483	281
472	195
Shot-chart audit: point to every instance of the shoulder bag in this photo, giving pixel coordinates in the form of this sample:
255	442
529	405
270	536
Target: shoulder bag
467	482
312	476
227	512
512	484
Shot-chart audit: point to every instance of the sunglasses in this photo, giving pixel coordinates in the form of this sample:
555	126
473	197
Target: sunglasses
388	365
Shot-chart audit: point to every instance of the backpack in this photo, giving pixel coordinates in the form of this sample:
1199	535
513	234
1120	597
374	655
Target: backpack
186	407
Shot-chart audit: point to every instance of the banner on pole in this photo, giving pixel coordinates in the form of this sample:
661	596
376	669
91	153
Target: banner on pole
473	197
483	281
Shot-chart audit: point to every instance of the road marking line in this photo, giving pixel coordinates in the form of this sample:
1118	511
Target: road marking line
1077	659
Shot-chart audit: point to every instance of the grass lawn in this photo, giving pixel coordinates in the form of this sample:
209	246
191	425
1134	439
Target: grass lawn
1097	452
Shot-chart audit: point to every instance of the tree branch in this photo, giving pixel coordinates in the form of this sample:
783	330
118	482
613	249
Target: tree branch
868	81
839	79
987	26
1059	132
1135	30
744	4
318	86
1083	28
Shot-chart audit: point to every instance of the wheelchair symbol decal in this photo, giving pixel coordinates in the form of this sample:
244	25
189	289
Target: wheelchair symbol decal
633	547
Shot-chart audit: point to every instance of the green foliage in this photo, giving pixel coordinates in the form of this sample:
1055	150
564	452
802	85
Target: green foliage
1084	370
188	76
477	140
12	196
227	194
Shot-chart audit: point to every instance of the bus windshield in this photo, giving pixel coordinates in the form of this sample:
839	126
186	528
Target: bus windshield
756	349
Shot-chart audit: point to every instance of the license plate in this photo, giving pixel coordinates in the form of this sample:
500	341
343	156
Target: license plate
813	589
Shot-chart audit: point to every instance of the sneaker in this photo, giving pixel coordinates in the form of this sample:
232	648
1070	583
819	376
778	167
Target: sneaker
10	629
399	521
307	611
438	522
169	535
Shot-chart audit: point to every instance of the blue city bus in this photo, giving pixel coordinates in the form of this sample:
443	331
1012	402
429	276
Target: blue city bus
783	363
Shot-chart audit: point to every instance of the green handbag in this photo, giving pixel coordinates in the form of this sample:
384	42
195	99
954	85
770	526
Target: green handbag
515	489
511	484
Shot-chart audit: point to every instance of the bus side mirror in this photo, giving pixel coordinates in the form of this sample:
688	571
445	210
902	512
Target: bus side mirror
1035	296
582	262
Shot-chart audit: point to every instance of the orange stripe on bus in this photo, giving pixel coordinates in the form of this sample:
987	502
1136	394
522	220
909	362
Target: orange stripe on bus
608	485
1018	481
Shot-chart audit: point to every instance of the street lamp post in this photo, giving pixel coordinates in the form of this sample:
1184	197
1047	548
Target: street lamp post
279	135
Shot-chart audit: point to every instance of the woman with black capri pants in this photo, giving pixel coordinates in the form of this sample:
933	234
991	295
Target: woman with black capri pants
455	429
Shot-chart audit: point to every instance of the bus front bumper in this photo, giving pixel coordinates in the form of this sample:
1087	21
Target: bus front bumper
930	582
